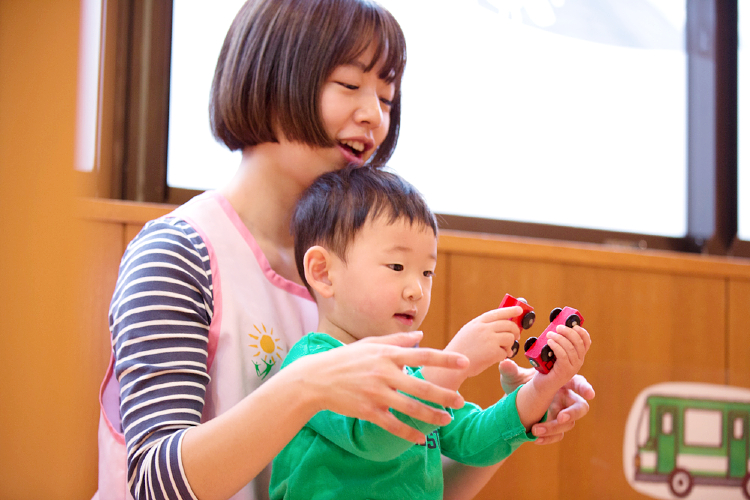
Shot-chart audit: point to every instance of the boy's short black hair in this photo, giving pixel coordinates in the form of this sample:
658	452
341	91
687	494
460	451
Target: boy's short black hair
336	206
278	54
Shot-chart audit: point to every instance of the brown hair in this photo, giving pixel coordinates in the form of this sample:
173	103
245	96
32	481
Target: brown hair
278	53
336	206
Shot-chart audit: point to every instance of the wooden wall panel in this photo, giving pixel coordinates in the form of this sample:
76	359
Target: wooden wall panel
739	333
654	317
646	328
435	326
101	256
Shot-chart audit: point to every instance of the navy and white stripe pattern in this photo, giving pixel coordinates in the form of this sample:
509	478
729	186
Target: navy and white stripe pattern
159	319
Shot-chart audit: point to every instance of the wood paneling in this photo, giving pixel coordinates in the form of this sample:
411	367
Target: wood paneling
738	349
653	316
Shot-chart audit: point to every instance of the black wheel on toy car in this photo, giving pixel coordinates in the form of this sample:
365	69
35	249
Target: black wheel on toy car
680	483
554	313
547	354
746	486
529	343
572	321
514	349
528	320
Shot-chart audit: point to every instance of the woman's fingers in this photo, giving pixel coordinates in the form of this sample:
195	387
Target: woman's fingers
421	356
426	391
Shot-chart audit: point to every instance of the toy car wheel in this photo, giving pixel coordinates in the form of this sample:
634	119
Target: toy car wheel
680	483
554	314
514	349
529	343
572	321
528	320
746	486
547	354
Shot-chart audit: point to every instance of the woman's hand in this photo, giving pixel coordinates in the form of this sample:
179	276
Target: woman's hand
569	404
361	380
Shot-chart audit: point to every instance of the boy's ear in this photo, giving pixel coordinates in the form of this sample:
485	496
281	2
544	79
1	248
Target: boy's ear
317	264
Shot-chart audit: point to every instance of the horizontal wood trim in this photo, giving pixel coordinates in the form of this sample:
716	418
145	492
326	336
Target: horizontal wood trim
126	212
593	255
480	244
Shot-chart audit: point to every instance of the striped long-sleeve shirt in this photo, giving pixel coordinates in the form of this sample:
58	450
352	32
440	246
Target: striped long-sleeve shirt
159	319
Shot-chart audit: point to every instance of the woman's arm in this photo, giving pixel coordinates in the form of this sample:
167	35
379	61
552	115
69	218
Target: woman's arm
358	380
159	319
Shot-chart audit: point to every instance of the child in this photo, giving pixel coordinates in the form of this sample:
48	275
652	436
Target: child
366	247
208	299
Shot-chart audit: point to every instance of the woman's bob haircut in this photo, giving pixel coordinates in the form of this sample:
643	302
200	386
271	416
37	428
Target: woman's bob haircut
278	54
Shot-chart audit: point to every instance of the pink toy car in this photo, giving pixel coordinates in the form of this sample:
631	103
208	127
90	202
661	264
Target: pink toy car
524	321
539	353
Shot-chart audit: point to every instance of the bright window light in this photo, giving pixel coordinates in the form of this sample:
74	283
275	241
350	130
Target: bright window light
743	122
88	84
561	112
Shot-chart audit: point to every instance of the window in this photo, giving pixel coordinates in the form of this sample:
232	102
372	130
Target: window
703	427
739	428
666	423
743	121
564	119
548	110
88	85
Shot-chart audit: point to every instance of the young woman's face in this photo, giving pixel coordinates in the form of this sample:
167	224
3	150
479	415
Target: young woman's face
356	109
385	284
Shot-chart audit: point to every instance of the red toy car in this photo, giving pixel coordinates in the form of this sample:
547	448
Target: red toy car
525	320
539	353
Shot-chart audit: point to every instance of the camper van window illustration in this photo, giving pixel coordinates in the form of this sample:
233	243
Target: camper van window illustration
689	440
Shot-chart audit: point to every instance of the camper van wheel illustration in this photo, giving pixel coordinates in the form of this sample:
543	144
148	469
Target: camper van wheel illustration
680	483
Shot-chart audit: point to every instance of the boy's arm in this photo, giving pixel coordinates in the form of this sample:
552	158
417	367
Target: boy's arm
570	346
482	438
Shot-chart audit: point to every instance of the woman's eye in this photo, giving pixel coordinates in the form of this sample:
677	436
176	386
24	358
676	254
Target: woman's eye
396	267
387	102
348	85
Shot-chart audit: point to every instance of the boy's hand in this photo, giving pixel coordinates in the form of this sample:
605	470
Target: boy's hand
570	346
569	404
487	339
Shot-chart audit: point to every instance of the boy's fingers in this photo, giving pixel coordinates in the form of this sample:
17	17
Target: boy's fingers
502	313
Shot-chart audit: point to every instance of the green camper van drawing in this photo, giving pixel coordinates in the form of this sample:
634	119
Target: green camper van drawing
685	435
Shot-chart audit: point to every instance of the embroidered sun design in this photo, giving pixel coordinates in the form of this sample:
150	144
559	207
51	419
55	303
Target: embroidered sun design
266	350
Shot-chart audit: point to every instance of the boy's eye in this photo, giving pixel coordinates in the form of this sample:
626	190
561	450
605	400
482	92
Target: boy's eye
429	274
396	267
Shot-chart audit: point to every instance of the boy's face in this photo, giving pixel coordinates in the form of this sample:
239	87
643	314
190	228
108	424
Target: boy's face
386	283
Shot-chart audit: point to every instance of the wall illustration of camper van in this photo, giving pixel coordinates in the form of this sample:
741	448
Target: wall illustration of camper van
687	440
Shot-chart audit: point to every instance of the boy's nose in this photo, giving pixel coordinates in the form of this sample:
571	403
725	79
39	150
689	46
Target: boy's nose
413	291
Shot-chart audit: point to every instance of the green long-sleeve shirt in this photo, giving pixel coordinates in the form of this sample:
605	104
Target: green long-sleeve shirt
335	456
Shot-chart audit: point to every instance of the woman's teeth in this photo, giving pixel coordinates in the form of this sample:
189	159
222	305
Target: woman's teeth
355	146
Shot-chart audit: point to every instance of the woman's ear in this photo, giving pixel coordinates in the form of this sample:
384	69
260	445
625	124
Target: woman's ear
317	264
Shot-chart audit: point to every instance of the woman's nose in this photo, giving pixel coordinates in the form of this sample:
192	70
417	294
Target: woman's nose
370	111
